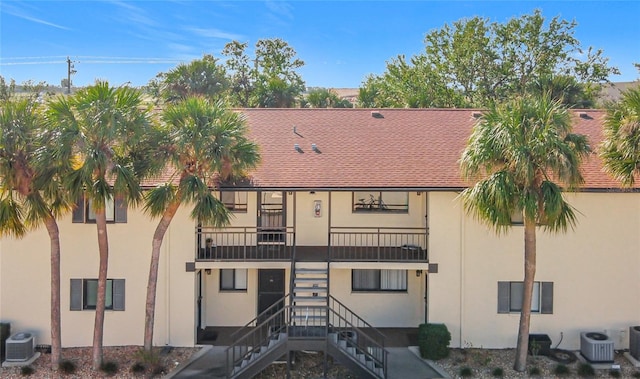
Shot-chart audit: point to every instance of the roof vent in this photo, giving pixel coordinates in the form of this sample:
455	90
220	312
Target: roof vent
297	148
584	115
376	114
314	147
476	114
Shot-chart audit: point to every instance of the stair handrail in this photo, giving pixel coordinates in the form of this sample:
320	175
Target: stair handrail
262	314
354	315
292	272
378	354
255	338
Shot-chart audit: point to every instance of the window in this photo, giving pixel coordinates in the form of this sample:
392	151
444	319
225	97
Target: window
233	279
379	280
377	201
84	294
234	200
510	297
109	210
115	210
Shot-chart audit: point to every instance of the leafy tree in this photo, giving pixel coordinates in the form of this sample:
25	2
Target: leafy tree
519	155
100	129
241	79
620	148
204	143
325	98
473	63
30	194
205	77
272	82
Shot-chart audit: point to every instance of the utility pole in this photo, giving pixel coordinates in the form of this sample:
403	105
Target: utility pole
70	71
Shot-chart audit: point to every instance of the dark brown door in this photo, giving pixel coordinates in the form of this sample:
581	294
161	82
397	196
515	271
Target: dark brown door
270	289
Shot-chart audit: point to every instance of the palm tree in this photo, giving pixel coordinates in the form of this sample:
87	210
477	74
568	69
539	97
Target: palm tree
205	143
100	128
29	191
620	149
516	153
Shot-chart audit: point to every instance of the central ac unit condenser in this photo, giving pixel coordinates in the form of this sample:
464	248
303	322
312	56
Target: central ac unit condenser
20	347
596	347
634	342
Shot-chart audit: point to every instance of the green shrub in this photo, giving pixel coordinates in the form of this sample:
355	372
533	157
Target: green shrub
67	367
585	370
109	368
138	368
148	357
534	371
561	370
497	372
615	373
433	340
466	372
27	370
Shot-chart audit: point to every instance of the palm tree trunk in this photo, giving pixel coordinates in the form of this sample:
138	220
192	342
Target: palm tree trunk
56	339
158	237
529	276
103	248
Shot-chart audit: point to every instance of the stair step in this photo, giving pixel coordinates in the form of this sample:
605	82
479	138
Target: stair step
310	280
311	299
303	270
310	289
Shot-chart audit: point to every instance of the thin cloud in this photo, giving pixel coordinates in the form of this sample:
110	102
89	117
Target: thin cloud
134	15
17	12
215	33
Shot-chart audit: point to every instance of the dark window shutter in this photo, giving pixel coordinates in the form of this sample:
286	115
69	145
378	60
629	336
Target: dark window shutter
78	211
503	297
121	210
76	295
546	305
118	294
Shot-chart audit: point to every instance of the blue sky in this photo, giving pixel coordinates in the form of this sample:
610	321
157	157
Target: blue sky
341	42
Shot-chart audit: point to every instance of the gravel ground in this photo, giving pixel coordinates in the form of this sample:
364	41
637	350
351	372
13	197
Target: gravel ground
482	363
124	356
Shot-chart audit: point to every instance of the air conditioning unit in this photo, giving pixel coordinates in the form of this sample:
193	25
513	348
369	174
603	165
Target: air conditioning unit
596	347
634	342
20	347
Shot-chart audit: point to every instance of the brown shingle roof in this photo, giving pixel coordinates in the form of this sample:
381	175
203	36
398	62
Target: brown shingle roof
405	148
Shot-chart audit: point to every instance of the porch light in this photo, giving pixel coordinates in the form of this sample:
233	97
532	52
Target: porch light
418	273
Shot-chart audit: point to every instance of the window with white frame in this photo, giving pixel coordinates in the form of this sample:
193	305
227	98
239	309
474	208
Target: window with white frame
510	297
380	201
378	280
235	201
84	294
233	279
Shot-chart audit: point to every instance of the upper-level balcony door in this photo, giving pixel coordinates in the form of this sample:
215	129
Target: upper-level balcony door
272	216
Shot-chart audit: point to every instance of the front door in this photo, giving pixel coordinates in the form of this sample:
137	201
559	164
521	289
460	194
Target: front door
270	289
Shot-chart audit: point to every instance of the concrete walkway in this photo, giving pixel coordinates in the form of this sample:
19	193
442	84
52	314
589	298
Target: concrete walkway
403	363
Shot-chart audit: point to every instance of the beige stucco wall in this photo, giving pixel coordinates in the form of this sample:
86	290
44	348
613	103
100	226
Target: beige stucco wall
594	269
25	278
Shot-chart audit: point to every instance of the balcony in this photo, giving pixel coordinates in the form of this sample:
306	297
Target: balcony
345	244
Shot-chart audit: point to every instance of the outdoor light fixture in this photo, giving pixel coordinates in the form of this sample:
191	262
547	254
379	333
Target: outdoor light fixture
207	271
418	273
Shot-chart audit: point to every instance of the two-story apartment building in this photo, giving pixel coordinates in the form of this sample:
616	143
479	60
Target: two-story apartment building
353	209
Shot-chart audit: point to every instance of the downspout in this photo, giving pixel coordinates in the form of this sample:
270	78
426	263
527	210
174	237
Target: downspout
167	249
426	277
462	250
